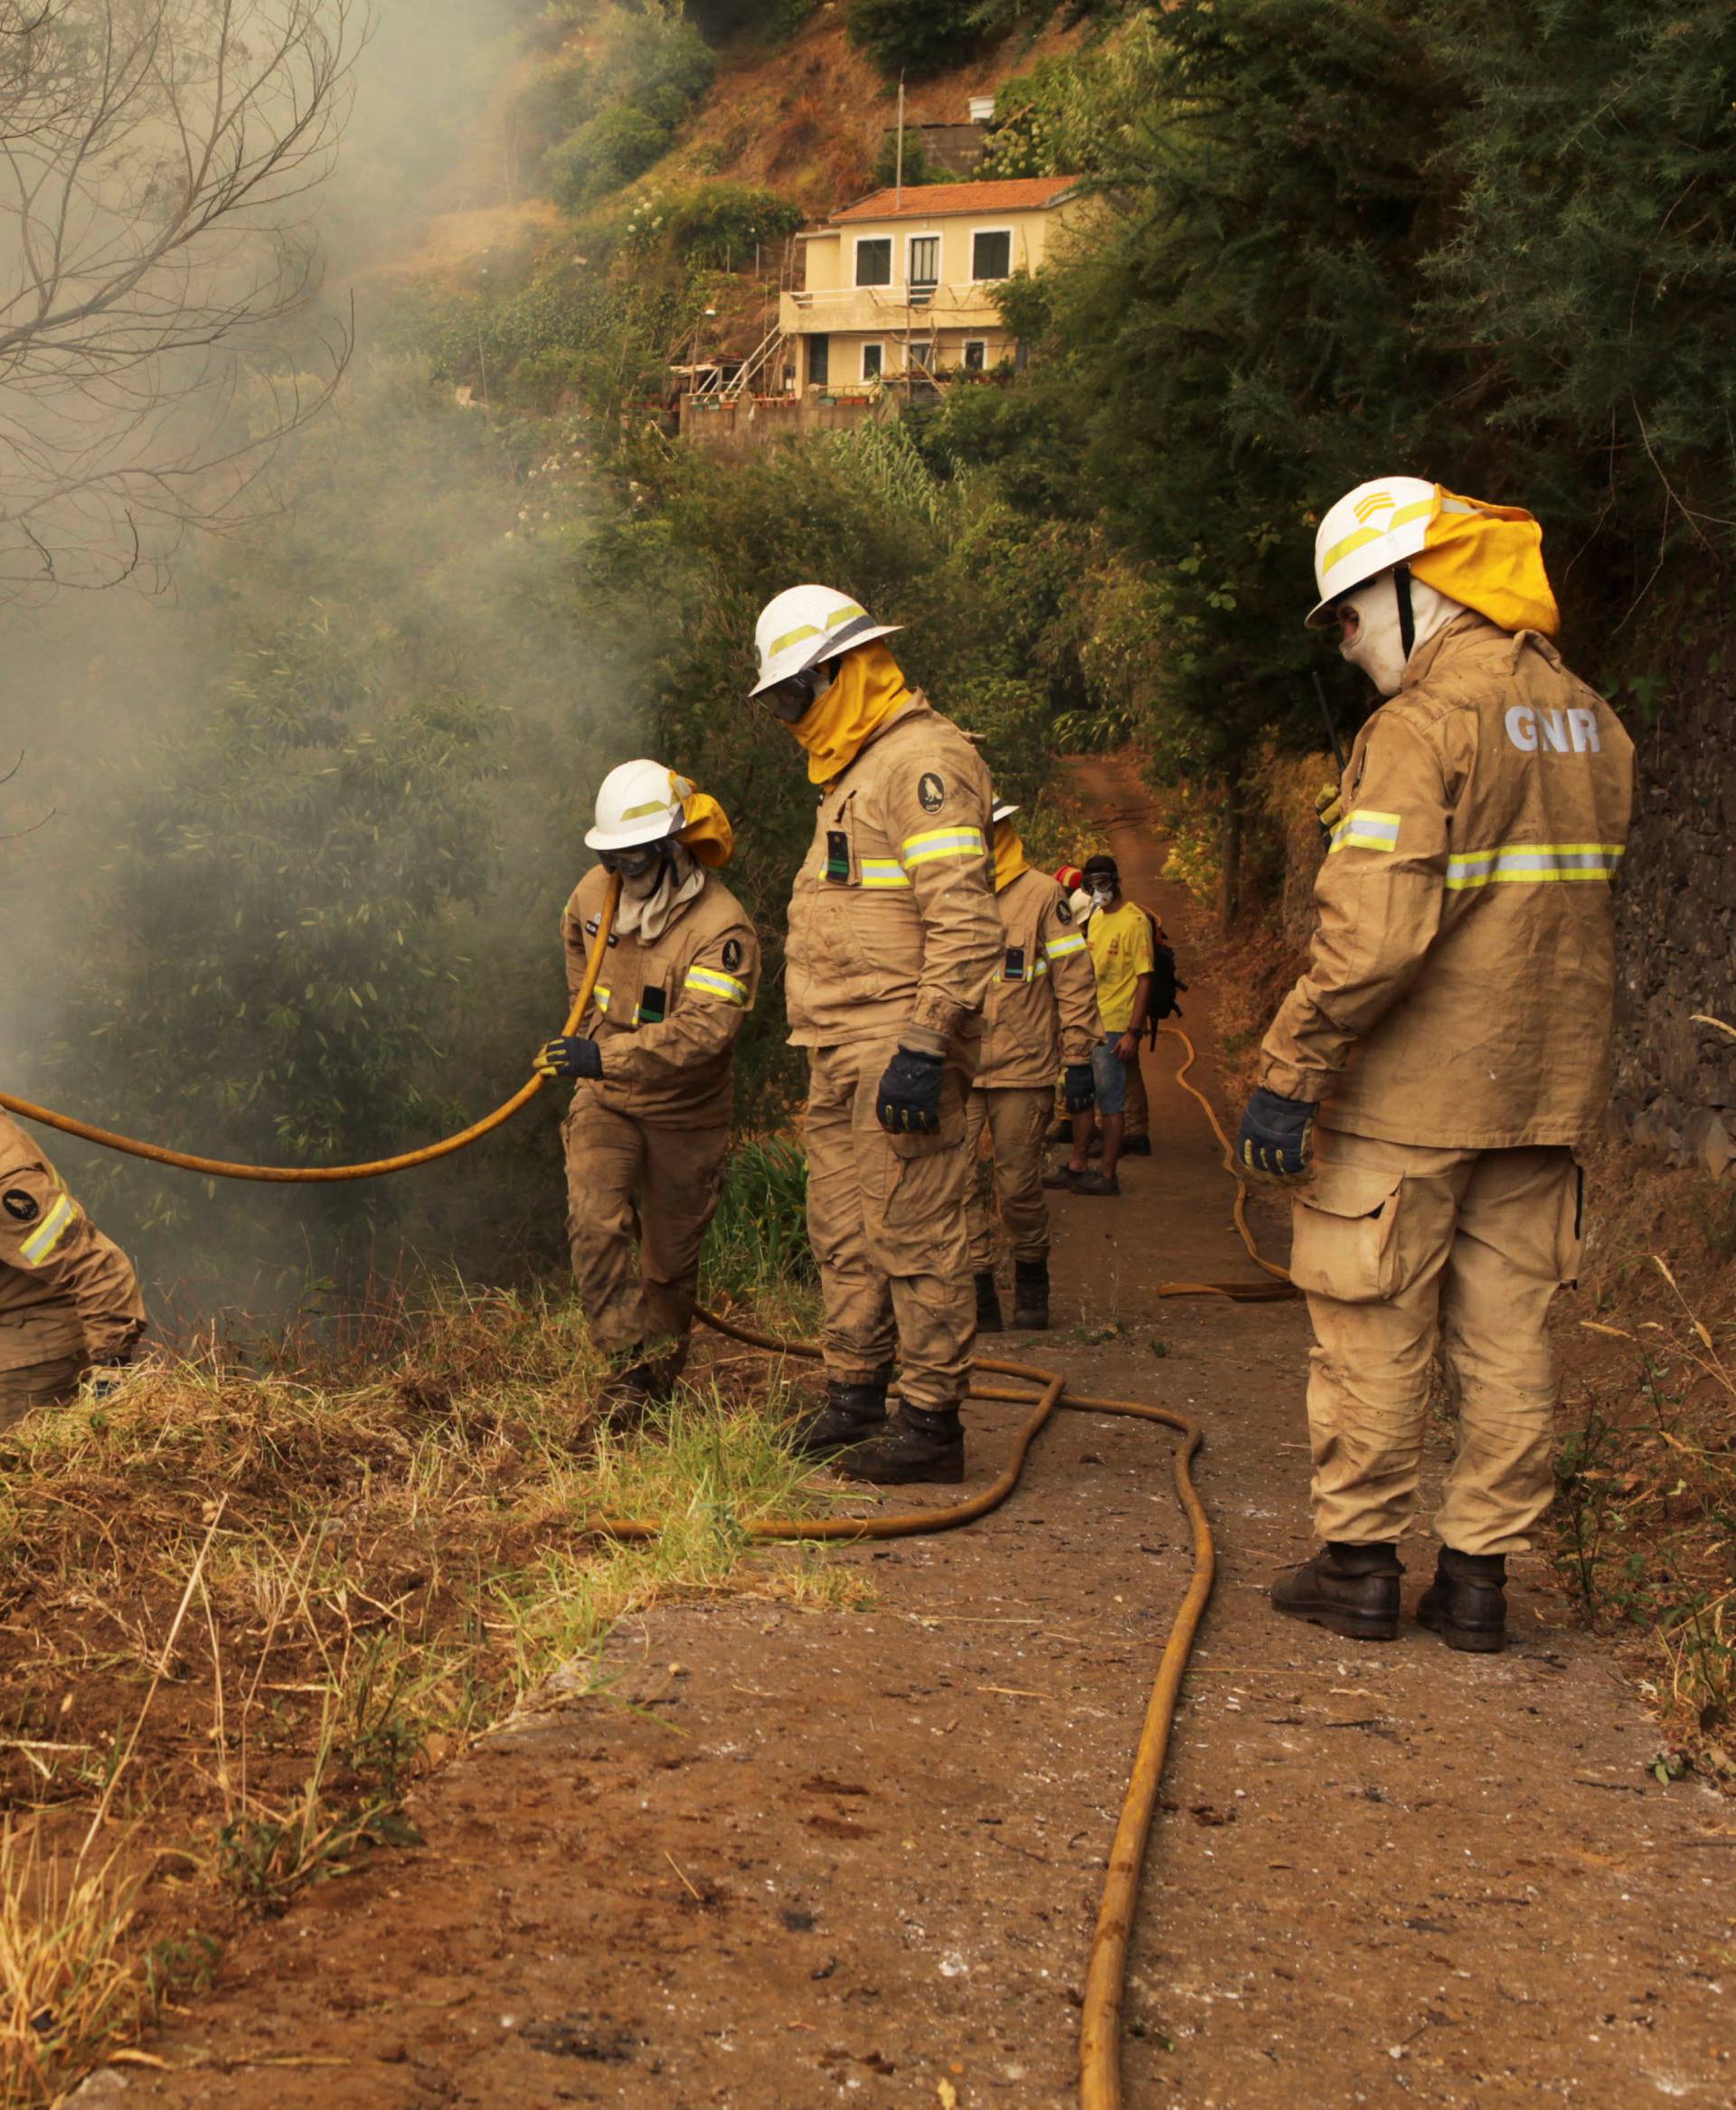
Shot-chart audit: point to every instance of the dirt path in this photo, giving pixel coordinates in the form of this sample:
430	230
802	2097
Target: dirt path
802	1859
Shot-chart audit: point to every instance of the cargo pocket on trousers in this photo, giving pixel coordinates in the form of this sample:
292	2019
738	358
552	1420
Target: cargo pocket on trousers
1346	1241
1570	1227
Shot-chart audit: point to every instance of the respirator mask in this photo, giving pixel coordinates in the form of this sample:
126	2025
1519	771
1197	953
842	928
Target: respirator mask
795	697
1101	883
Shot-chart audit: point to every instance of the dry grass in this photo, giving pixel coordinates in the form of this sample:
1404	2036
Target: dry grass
251	1602
1646	1520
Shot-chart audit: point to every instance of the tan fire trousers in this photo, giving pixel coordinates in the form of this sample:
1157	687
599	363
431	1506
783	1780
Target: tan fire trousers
38	1384
1403	1249
1016	1123
886	1217
633	1183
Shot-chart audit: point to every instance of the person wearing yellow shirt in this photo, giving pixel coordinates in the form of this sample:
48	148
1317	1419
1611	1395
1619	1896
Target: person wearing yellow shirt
1120	937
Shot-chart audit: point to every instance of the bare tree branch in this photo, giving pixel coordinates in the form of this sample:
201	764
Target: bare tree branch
160	162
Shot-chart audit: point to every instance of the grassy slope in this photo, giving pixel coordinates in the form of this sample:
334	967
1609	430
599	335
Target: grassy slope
249	1604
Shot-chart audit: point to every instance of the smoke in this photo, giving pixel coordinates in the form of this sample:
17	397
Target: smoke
287	840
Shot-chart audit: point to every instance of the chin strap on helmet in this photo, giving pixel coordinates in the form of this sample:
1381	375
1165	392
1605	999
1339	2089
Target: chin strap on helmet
1407	617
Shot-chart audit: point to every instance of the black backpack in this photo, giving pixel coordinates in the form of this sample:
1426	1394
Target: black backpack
1167	985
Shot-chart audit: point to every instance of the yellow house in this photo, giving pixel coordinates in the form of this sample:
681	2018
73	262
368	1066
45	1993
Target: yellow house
902	285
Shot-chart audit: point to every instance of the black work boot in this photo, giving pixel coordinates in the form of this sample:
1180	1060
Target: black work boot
1467	1603
989	1305
1031	1296
630	1395
1354	1590
919	1444
853	1413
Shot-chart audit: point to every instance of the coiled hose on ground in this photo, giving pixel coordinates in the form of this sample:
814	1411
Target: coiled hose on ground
1106	1971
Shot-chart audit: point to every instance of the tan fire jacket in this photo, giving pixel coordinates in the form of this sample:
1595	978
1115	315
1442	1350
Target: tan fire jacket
1041	1008
666	1015
64	1288
892	928
1461	987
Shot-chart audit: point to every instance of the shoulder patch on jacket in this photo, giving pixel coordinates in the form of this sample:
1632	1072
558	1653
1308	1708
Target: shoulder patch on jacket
21	1207
731	954
1063	910
932	792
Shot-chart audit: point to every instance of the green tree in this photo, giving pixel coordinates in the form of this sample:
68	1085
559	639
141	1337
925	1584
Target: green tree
300	853
1237	341
1592	262
914	36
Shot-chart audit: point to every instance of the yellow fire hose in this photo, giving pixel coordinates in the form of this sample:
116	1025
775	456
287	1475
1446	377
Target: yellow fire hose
1100	2036
218	1168
1106	1971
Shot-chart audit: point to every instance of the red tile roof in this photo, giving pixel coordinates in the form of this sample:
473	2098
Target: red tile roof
942	201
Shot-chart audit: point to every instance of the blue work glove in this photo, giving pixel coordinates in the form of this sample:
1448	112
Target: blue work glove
570	1055
908	1102
104	1380
1277	1136
1079	1088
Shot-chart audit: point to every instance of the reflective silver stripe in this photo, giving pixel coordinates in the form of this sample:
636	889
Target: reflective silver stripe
715	983
1365	830
942	842
1059	948
48	1234
1533	863
884	871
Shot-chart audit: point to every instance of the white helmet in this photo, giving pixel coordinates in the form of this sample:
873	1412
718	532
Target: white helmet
1003	810
637	803
805	625
1371	529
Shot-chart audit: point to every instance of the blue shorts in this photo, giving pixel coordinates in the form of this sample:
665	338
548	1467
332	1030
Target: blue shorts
1111	1076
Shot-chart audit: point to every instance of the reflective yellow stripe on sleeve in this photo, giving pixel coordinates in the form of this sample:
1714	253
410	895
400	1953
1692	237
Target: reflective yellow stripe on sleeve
884	871
1058	948
1534	863
1364	830
710	982
937	843
48	1234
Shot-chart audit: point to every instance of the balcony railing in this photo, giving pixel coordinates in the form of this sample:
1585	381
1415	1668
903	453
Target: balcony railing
890	309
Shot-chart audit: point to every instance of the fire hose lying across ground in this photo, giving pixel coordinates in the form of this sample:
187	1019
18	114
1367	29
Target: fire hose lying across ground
1106	1971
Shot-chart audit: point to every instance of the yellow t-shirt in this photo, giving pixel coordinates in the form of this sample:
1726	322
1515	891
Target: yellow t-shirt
1120	943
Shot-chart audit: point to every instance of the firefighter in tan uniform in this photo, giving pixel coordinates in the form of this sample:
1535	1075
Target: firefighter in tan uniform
69	1298
1448	1049
649	1125
1041	1017
893	940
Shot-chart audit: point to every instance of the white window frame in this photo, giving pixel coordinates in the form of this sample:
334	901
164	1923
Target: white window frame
1010	232
982	345
872	344
911	240
857	285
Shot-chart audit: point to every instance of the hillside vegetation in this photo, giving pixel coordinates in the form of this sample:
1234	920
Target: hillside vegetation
1330	242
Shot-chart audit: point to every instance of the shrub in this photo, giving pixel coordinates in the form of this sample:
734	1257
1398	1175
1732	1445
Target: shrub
623	102
914	36
718	225
606	151
917	167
